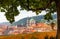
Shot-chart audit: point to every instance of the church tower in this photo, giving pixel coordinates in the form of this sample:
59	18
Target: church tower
32	21
27	24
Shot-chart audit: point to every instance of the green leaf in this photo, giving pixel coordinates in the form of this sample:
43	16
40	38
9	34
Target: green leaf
2	10
48	16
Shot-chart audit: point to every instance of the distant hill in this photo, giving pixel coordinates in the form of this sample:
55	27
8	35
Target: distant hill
24	20
37	18
5	23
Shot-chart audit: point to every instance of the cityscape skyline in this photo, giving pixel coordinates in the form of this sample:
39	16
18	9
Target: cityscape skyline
30	27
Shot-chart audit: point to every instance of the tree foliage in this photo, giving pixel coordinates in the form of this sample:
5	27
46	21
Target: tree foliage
10	7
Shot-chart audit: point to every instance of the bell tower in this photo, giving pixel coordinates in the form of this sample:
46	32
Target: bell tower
27	24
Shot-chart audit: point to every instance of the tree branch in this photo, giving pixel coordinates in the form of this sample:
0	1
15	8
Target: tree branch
38	9
44	8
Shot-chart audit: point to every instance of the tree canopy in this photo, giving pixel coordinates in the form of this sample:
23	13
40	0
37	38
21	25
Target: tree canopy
10	7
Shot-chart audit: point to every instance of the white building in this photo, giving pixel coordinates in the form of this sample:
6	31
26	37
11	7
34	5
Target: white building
30	22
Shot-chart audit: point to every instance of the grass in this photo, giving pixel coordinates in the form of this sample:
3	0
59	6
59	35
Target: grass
38	35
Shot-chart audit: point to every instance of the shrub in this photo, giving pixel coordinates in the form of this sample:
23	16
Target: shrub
52	37
46	37
33	37
22	37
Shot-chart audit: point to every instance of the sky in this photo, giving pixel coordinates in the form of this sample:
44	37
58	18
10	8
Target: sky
23	14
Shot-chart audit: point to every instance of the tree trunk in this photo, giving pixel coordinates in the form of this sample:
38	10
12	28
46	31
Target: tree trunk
58	18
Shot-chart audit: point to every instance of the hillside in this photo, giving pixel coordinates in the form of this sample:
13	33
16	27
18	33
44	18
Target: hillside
37	18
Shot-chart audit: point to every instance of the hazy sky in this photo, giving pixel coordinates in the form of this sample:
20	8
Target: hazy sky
22	14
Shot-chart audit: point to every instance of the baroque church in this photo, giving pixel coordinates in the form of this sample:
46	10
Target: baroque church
30	22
